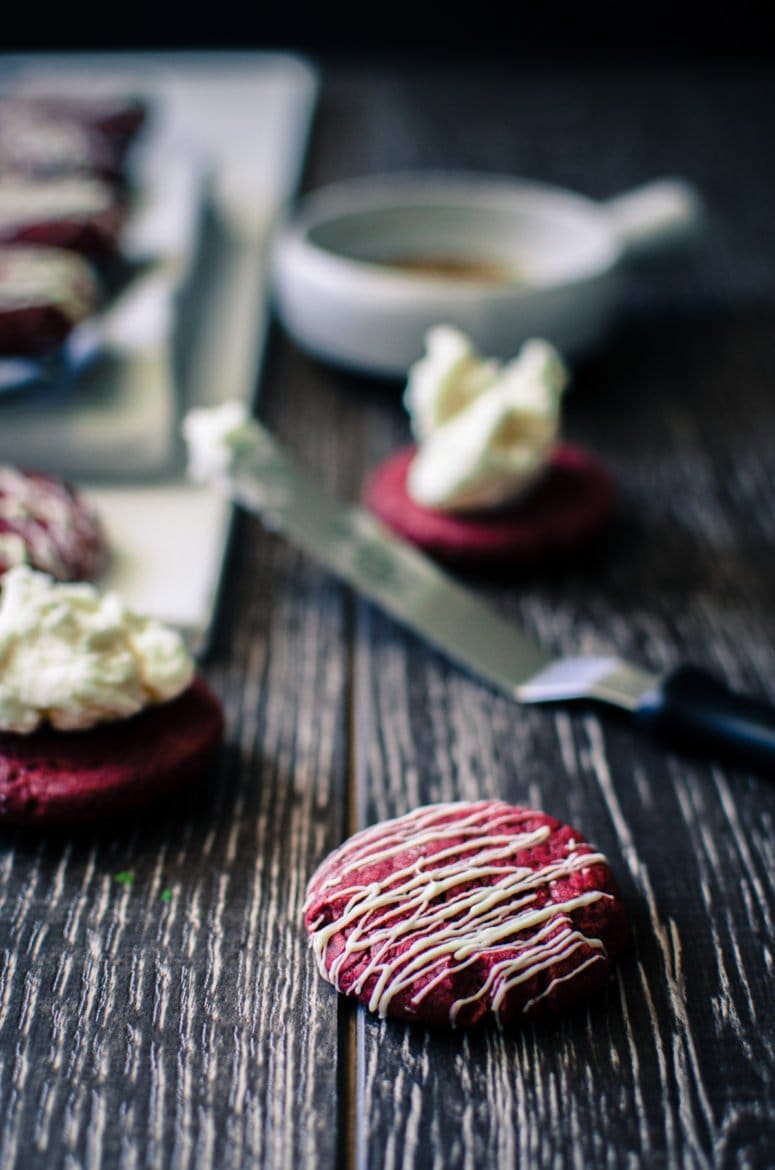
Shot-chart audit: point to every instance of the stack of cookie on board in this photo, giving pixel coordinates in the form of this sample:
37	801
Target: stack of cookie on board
65	193
101	710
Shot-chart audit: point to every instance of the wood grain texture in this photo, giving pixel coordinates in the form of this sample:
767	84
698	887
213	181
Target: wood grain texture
674	1065
196	1033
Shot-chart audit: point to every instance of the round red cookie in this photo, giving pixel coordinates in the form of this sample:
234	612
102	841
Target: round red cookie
459	911
570	507
44	294
46	524
70	777
43	140
79	212
55	133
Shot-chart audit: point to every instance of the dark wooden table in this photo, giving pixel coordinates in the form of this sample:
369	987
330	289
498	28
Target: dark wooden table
179	1021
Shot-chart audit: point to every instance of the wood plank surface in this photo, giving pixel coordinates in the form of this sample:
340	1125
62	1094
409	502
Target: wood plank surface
195	1032
674	1065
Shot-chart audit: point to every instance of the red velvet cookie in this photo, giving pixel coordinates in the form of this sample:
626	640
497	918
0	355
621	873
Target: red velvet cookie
68	777
46	136
570	507
459	911
46	524
81	213
44	294
119	116
38	145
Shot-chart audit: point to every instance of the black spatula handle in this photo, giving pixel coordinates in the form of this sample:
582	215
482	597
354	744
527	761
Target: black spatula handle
695	712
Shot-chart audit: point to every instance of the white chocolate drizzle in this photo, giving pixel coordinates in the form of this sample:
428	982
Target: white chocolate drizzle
445	907
43	525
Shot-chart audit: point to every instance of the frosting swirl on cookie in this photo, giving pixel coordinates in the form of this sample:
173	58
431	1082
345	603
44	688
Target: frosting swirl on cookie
73	657
485	430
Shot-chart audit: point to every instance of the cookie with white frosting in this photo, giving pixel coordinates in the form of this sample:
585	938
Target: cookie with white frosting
48	525
102	711
42	135
57	777
458	912
44	294
488	481
564	514
80	212
40	144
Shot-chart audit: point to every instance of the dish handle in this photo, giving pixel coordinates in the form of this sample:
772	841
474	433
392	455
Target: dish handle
656	217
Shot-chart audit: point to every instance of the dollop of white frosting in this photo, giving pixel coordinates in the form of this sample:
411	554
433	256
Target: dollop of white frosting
74	657
485	430
214	436
448	378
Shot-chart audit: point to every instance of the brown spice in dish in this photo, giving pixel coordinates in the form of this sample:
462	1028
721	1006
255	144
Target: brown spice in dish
467	268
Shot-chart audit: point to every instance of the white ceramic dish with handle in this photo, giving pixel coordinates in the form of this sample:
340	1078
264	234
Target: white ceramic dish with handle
363	268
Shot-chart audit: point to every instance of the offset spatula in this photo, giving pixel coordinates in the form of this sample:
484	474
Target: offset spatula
687	709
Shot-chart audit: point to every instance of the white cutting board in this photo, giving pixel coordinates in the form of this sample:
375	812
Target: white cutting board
245	118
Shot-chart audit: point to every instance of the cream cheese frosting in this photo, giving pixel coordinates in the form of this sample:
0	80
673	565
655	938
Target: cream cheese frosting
214	435
74	657
448	378
485	430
